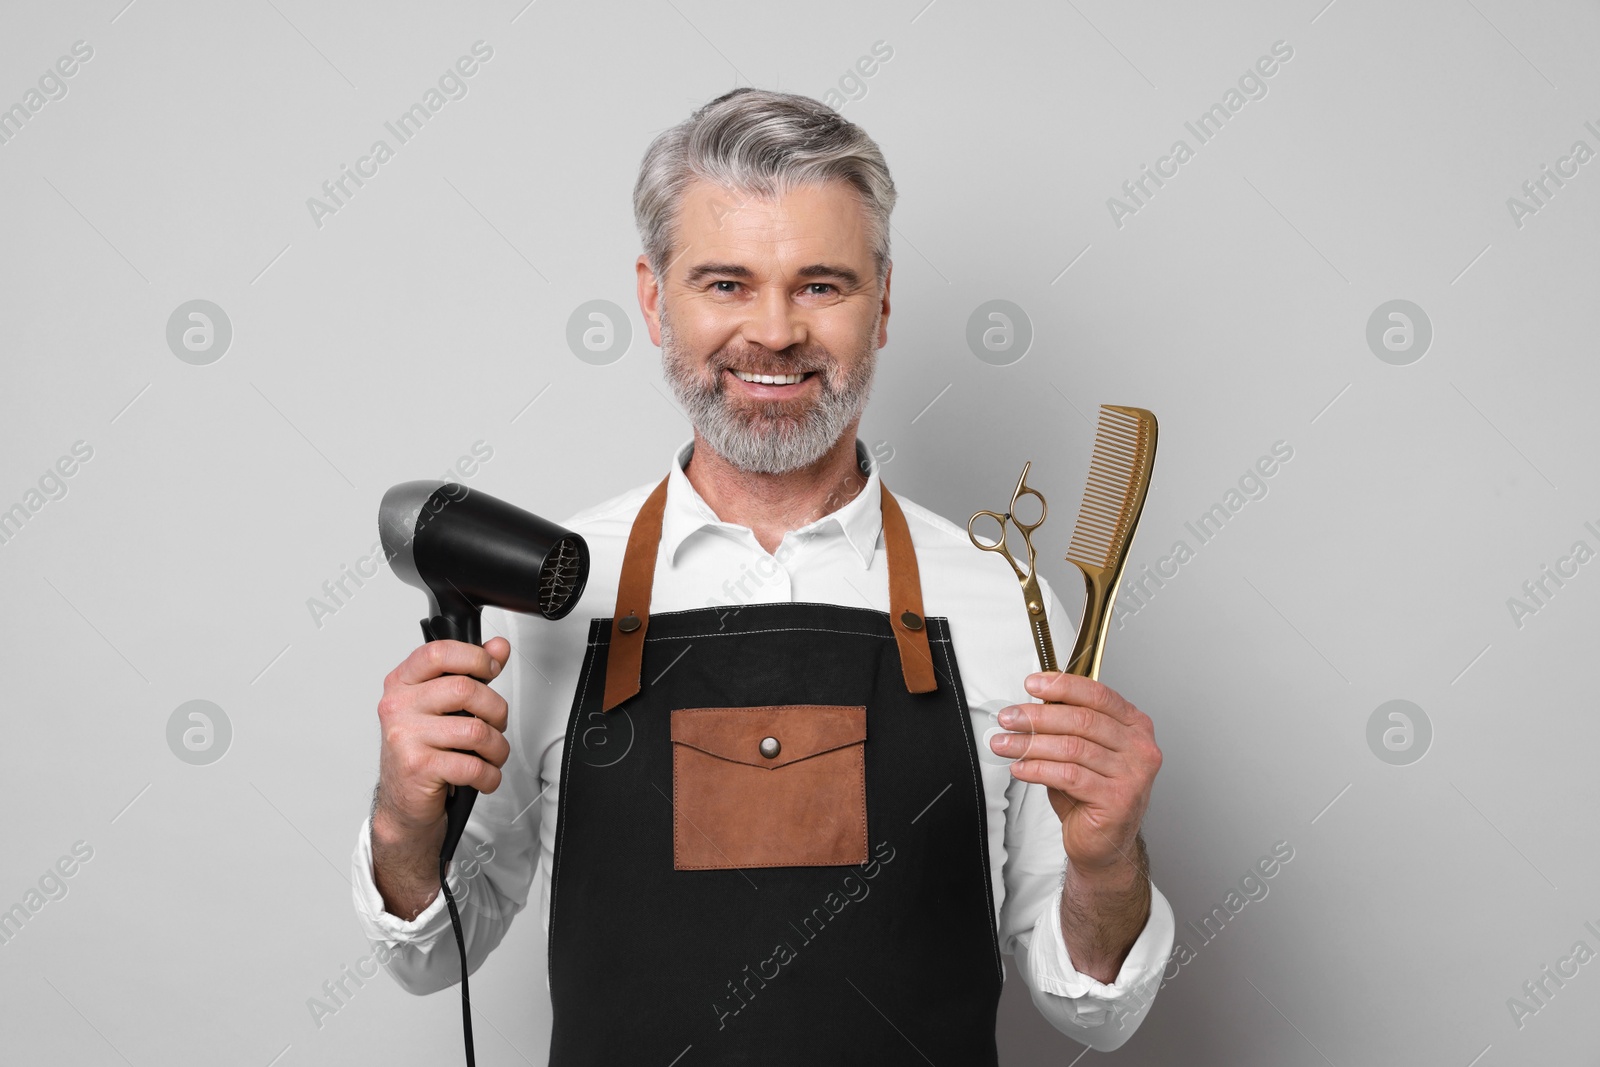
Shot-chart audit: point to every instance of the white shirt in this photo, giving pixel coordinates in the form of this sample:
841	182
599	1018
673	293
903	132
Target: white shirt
703	561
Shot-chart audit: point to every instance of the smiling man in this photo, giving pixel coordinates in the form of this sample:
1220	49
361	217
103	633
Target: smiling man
780	829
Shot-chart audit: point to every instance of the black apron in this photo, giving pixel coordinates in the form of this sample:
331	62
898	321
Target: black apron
771	844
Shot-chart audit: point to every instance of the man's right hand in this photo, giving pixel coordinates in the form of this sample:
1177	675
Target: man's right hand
419	760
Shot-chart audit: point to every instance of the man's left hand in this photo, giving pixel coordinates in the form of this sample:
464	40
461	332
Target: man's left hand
1097	754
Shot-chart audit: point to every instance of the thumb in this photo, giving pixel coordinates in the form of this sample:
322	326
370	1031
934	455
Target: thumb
499	650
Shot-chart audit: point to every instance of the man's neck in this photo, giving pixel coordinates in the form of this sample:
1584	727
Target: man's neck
773	504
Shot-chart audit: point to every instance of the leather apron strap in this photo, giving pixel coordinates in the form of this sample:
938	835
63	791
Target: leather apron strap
631	620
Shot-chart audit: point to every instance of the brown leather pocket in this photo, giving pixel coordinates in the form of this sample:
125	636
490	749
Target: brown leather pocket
780	785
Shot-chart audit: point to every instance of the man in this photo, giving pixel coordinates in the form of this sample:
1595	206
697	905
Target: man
775	828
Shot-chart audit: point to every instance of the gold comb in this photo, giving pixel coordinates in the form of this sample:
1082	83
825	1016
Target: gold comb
1119	478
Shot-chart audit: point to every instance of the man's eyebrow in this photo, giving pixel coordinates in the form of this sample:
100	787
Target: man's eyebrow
703	271
725	270
827	270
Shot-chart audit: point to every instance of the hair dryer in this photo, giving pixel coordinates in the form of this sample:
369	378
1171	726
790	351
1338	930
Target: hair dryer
466	549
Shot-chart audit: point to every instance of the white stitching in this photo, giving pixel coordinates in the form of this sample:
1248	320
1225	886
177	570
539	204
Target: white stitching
561	821
983	814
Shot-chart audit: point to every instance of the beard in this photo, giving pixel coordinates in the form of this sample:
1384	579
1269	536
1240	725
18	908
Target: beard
773	436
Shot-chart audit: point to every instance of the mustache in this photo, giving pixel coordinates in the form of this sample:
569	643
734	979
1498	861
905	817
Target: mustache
766	361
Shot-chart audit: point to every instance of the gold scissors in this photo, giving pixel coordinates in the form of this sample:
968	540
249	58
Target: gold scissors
1030	581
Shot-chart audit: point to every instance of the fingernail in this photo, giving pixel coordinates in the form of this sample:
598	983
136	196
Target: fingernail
1008	717
1034	683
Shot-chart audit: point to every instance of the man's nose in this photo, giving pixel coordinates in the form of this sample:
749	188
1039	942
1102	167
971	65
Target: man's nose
774	321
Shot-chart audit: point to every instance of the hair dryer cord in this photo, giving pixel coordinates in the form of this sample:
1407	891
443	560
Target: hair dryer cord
461	946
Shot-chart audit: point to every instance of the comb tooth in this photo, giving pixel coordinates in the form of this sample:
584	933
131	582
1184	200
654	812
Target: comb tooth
1099	526
1108	488
1095	503
1099	534
1109	500
1125	459
1098	544
1100	529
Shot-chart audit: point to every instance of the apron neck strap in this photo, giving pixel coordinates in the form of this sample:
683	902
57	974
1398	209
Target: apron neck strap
632	618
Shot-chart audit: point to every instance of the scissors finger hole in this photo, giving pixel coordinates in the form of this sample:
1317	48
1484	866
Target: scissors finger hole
981	525
1028	508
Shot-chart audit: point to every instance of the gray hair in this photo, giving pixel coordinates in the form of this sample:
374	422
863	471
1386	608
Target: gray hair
759	143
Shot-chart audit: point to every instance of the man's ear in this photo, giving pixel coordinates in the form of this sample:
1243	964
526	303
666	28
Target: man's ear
883	320
649	298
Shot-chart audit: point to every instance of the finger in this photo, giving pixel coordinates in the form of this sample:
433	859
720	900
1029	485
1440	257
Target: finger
459	768
465	733
1072	719
1058	688
499	650
449	657
1060	748
1074	779
457	692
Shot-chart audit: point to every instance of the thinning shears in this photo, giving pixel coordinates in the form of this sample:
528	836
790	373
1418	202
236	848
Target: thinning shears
1030	581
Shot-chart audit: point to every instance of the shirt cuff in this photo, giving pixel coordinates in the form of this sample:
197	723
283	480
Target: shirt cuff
1050	964
379	924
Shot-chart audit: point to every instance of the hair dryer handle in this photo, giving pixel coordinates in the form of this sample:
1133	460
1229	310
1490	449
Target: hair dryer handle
457	806
459	798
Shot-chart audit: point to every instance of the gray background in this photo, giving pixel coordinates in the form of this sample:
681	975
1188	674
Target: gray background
430	313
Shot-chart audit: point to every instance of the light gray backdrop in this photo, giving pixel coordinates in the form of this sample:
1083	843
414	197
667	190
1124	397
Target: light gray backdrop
1443	850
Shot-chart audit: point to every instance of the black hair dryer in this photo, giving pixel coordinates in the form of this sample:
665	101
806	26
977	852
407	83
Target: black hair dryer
466	549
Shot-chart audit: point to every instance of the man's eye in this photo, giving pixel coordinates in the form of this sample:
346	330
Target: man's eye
820	289
725	286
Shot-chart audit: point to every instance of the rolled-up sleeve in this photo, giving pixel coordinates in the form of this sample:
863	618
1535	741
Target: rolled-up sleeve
1099	1014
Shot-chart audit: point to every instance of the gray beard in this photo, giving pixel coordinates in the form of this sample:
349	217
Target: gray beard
770	438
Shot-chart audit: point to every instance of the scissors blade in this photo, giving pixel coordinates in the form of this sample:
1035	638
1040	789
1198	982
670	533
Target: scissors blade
1039	624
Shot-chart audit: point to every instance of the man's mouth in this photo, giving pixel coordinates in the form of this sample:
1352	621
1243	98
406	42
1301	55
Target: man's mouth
771	383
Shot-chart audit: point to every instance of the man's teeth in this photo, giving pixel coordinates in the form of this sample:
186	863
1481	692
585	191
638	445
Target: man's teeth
770	379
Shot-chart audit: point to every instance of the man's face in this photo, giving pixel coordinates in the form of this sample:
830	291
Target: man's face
785	288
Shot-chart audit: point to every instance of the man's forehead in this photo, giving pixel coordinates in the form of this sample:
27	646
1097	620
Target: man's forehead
808	219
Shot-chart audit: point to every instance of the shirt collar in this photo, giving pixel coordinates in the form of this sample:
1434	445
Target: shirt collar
859	521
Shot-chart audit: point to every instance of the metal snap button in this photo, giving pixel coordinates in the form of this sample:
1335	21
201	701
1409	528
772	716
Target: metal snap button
770	747
911	620
629	623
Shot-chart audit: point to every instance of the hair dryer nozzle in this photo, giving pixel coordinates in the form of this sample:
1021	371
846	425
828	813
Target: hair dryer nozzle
467	549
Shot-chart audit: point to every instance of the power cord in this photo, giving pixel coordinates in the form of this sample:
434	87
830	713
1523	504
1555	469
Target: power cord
461	945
